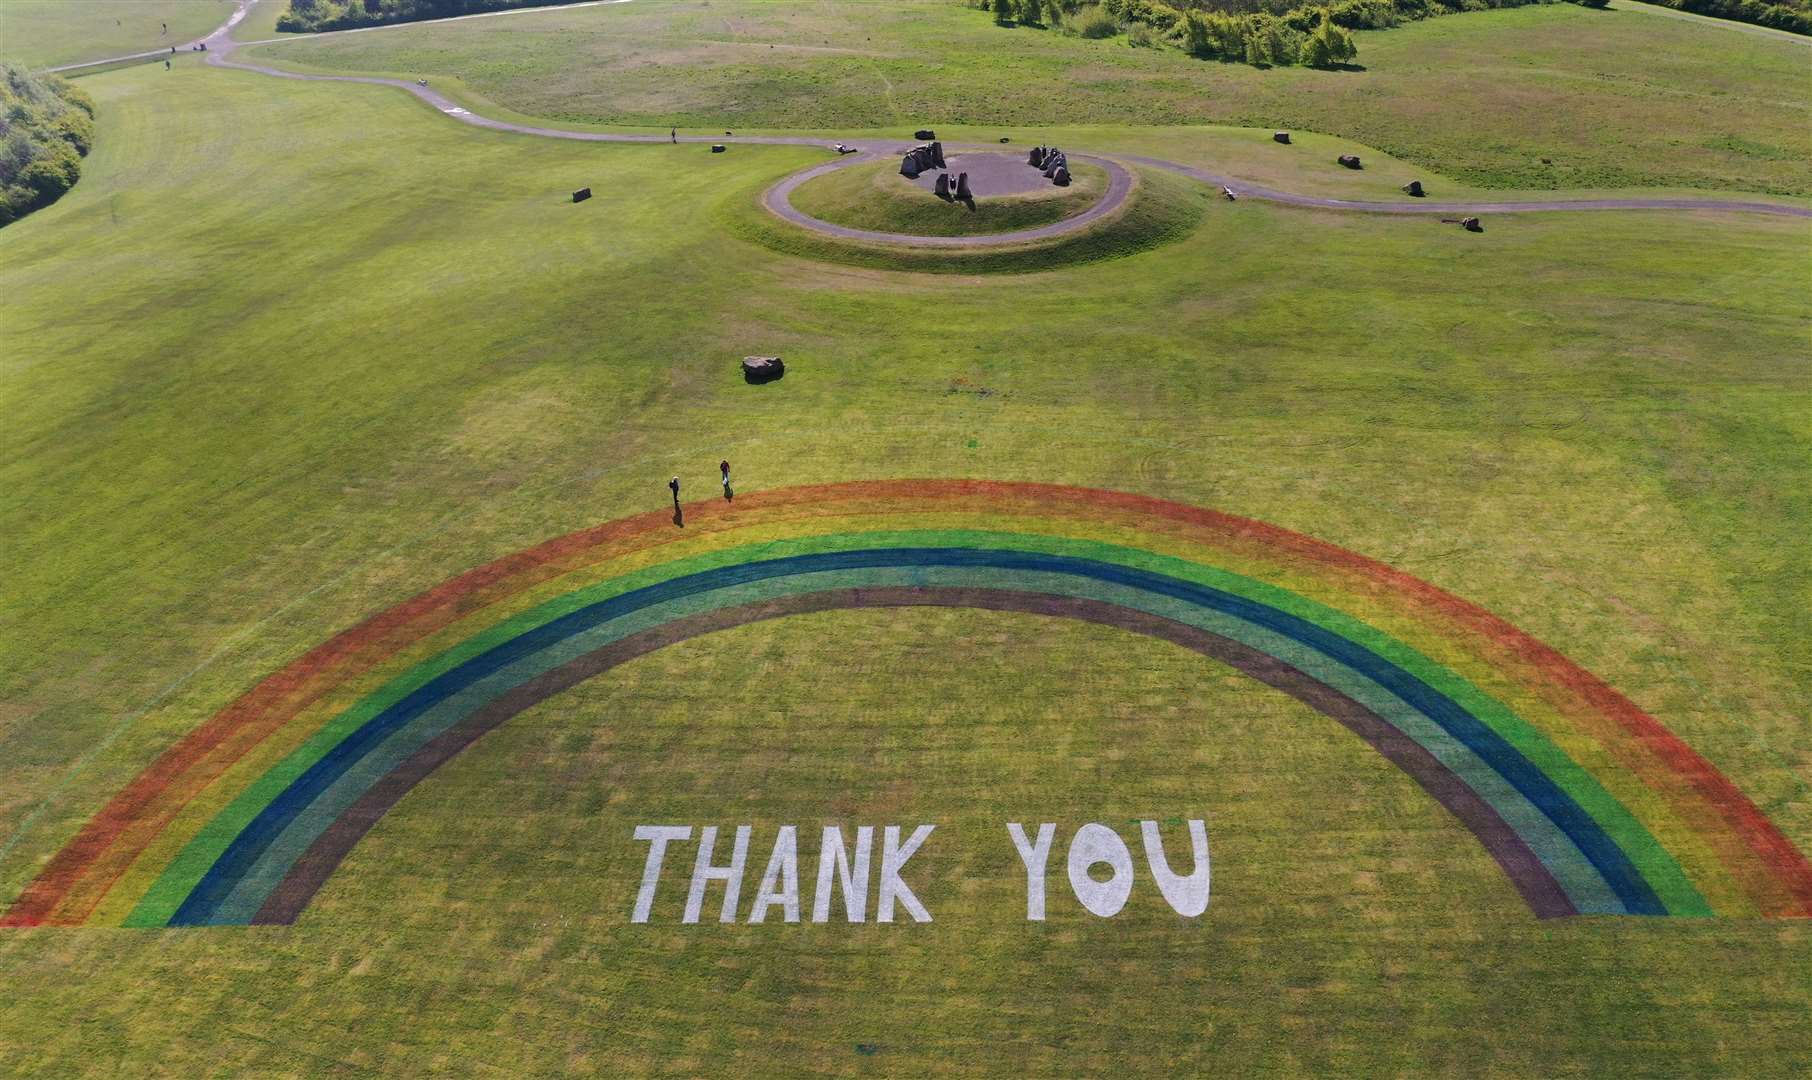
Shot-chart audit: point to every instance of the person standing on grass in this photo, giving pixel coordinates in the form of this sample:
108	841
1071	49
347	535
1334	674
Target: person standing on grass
673	486
724	467
673	133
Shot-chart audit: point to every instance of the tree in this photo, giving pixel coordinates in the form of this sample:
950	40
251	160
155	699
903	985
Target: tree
1031	12
1003	12
1053	12
1195	35
1269	41
1328	45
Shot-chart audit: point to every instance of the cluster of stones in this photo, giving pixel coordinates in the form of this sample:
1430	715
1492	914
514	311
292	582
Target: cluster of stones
957	192
1052	162
922	157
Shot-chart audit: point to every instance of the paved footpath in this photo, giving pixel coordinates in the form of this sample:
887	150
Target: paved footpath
221	46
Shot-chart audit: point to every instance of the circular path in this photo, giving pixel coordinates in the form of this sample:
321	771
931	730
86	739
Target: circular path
221	46
778	201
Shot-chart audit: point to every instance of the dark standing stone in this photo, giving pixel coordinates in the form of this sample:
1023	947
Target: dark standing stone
717	148
962	187
1035	157
1413	188
582	194
924	134
1471	224
1351	161
1062	176
943	186
760	369
1281	136
937	154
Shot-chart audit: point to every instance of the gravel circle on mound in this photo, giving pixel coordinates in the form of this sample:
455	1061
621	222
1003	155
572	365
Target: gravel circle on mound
990	174
778	200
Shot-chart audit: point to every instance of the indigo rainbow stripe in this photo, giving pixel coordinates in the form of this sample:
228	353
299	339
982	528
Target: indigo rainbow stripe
1588	804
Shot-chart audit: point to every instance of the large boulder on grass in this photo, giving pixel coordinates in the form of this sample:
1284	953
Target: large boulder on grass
760	369
1351	161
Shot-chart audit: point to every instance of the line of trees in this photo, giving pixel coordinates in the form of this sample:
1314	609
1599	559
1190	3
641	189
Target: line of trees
1793	17
1281	32
311	16
46	127
1245	31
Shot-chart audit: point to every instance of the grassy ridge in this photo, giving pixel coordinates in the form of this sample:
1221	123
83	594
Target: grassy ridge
293	352
1160	209
1611	99
876	197
46	33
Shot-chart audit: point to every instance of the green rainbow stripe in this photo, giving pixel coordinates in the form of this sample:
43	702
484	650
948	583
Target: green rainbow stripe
1588	804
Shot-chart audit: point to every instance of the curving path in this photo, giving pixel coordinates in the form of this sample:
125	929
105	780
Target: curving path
221	47
778	201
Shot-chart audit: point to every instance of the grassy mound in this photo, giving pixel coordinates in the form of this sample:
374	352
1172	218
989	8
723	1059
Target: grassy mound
1161	208
877	197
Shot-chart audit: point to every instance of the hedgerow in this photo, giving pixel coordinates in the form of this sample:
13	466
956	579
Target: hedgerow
46	127
310	16
1279	32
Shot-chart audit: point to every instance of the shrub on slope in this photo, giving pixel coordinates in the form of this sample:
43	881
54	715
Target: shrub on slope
309	16
46	126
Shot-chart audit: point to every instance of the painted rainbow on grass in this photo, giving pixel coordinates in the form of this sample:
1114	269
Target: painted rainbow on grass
1590	805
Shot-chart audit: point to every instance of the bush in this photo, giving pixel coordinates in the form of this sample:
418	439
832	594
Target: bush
1328	46
46	126
1099	25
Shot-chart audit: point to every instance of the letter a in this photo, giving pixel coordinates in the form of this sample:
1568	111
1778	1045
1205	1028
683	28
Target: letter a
1035	858
780	884
832	855
1187	895
893	860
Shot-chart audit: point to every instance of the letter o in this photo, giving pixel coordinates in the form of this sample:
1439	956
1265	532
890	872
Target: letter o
1093	844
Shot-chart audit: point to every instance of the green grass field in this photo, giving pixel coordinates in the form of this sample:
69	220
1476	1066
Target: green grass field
290	353
46	33
1613	99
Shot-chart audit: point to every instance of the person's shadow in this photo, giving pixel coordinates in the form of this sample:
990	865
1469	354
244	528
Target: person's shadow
679	516
729	494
